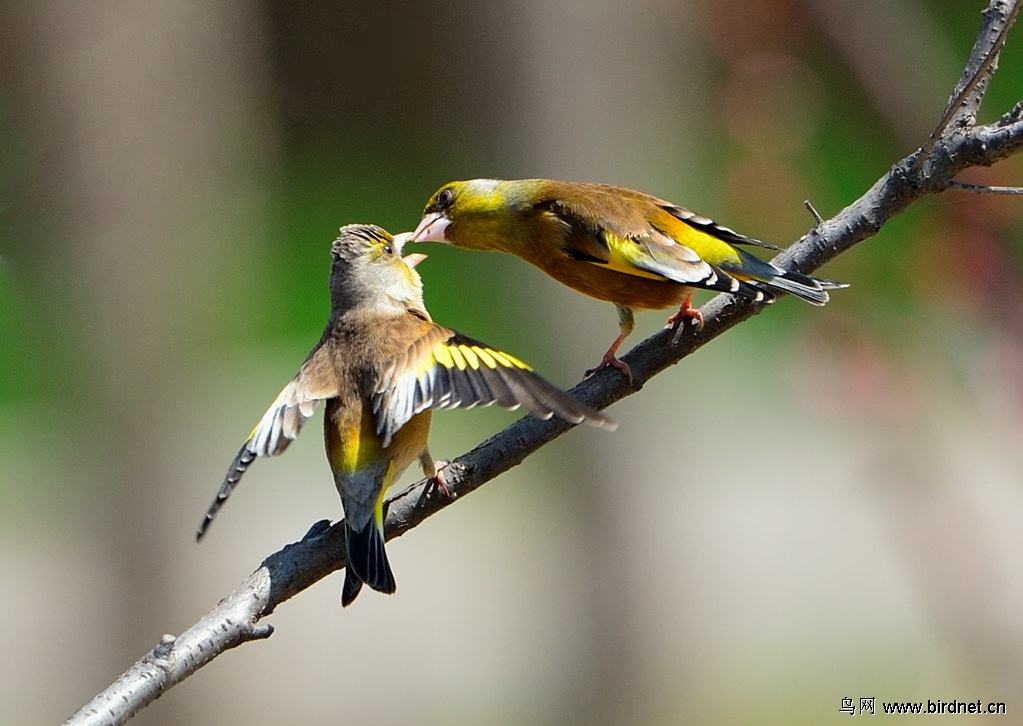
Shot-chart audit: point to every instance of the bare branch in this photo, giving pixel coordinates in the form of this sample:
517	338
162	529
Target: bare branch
236	619
969	91
231	623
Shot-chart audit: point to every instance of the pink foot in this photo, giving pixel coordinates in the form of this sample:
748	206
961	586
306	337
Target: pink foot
611	361
686	310
437	480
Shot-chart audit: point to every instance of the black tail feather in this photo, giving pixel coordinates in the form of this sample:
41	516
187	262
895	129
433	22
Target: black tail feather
775	279
351	588
367	563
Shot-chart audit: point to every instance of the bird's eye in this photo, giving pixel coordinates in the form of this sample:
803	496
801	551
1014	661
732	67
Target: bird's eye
444	198
388	250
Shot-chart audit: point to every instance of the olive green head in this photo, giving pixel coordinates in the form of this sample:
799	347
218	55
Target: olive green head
480	214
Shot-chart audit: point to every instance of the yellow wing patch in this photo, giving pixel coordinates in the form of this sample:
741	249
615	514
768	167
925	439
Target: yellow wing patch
630	257
444	369
465	355
441	355
704	244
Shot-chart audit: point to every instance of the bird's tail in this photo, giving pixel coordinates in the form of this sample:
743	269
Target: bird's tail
367	563
813	290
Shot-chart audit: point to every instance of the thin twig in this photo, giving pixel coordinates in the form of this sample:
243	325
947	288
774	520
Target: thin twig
985	188
813	211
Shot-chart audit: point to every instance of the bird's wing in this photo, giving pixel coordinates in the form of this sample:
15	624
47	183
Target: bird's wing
659	246
636	233
294	405
281	423
712	228
445	369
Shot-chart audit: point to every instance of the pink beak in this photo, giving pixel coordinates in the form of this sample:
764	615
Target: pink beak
432	228
410	260
414	259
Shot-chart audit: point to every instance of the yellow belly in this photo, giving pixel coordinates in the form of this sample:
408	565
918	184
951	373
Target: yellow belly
353	445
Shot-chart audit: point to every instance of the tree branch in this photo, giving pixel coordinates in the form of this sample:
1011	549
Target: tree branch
966	98
930	170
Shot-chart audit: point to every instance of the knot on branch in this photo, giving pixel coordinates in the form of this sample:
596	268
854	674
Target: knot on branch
1013	115
165	646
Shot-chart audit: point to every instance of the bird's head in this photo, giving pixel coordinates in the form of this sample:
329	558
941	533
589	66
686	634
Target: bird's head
473	214
369	270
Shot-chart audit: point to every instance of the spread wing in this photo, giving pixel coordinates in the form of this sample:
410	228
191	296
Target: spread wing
445	369
280	425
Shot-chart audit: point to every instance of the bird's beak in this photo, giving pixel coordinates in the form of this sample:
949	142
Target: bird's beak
431	228
399	244
413	259
400	240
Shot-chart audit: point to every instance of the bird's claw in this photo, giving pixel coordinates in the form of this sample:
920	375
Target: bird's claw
436	482
685	312
612	361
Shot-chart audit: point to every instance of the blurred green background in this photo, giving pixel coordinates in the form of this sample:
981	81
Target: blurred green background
821	504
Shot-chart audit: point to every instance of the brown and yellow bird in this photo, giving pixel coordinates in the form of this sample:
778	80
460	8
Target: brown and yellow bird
612	243
382	365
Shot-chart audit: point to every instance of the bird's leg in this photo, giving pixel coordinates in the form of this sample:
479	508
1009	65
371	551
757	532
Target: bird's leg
626	322
610	360
433	470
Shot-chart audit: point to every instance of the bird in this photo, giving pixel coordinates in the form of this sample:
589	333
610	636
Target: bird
612	243
381	366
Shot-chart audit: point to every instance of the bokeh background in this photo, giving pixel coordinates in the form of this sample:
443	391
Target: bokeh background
821	504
